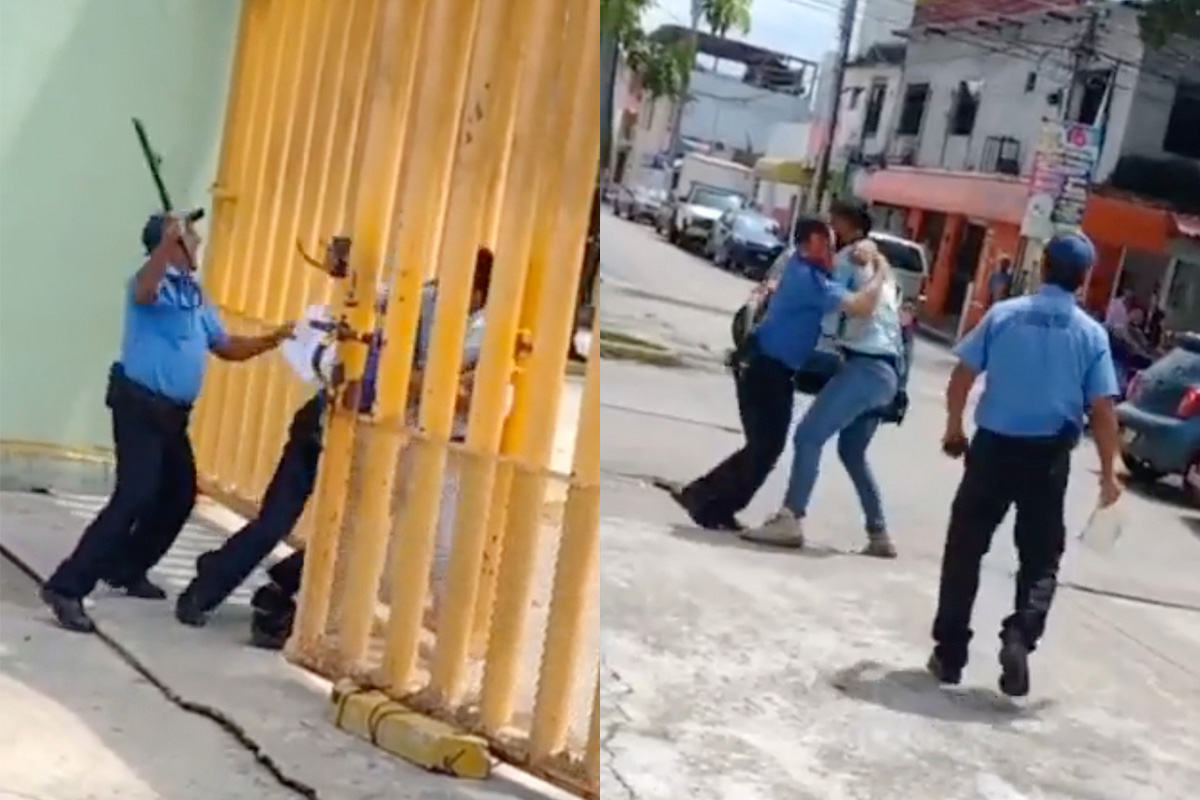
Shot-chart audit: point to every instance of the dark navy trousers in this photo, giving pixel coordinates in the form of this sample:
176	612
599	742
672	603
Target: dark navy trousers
153	497
220	572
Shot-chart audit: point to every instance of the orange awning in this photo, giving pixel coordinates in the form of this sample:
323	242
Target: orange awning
995	198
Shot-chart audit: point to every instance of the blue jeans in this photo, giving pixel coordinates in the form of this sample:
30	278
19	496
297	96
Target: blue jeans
846	406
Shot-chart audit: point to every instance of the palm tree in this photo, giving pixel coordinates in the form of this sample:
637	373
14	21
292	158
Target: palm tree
723	16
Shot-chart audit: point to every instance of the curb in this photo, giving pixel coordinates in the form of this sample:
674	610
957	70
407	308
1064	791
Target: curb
644	354
371	715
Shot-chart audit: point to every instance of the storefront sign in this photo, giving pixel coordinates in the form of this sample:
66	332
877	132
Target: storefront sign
1066	158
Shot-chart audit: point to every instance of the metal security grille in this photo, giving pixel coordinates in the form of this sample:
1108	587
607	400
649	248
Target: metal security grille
456	578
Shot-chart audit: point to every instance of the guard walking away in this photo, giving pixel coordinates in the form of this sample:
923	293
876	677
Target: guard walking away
1048	365
169	331
766	370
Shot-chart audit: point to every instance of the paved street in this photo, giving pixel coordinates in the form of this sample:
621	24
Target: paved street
734	673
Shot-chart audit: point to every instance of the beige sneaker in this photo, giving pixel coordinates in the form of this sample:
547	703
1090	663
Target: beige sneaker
784	529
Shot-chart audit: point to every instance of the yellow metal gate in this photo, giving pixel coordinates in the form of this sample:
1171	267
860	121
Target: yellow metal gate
425	130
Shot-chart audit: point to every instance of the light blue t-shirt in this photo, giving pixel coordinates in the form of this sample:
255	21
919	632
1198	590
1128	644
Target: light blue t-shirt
880	333
165	344
1045	360
472	345
843	274
791	328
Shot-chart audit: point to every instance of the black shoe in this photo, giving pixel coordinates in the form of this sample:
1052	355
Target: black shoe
142	588
274	613
68	611
269	637
1014	667
699	516
190	609
946	675
729	523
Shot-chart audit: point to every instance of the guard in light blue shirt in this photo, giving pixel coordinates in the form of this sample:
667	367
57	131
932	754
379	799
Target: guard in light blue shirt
169	331
1048	368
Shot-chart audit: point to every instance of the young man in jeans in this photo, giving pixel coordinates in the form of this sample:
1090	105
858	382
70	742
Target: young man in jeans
775	351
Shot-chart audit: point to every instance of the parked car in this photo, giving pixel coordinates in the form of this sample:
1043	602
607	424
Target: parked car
747	242
640	204
909	260
691	219
1160	418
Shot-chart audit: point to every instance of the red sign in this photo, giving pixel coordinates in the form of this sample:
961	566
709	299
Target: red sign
945	12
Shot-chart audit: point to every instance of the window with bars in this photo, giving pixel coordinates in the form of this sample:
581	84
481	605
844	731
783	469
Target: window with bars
912	113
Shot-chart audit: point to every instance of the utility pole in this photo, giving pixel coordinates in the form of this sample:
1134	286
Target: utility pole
1081	58
821	177
676	147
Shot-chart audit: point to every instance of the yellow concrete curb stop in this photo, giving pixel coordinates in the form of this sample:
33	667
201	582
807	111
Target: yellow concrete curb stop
433	745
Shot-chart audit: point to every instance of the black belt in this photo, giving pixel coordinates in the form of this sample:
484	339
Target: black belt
1065	440
166	411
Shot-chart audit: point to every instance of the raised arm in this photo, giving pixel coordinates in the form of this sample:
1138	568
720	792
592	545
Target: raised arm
150	276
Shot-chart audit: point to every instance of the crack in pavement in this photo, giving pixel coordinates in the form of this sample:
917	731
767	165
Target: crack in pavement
614	729
214	715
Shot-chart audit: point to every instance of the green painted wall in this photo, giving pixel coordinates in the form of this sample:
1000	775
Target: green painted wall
74	190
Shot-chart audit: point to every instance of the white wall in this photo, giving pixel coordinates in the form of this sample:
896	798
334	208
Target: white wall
77	191
852	120
789	141
1140	106
724	109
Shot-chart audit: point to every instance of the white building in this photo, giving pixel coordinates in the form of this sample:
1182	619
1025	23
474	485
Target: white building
962	143
779	193
869	102
737	94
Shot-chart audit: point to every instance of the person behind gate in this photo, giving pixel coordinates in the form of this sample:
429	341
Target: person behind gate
169	330
1048	364
775	350
219	572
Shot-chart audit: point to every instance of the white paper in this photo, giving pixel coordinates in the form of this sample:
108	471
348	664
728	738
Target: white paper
1104	528
310	352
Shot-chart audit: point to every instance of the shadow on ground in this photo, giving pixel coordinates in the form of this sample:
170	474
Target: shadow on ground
916	692
732	540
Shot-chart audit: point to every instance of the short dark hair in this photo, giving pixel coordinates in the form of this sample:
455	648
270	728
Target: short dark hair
481	283
807	227
854	212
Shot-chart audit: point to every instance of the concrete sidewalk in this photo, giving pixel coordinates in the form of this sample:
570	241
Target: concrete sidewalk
735	672
144	746
98	731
